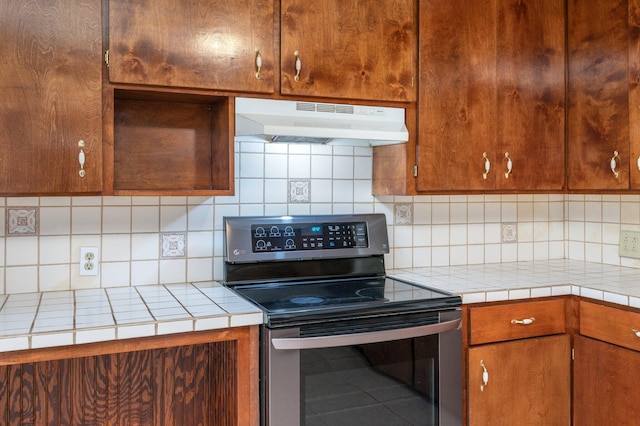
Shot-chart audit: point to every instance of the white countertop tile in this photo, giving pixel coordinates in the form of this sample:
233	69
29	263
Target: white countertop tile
37	320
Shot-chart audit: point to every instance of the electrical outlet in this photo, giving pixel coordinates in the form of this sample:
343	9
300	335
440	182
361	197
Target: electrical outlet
629	244
89	261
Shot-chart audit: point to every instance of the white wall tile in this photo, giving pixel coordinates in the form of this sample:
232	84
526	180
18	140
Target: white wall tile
55	220
86	220
116	220
447	229
55	249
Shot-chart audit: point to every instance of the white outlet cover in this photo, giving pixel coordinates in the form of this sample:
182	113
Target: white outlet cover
89	264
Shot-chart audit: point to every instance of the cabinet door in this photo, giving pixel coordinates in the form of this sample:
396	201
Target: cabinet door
349	49
606	386
456	106
530	114
491	90
634	94
529	382
51	85
210	44
598	95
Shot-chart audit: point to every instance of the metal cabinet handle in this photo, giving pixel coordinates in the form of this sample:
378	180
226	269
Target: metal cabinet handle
258	63
81	158
614	164
525	321
636	332
485	376
487	165
638	162
509	165
298	66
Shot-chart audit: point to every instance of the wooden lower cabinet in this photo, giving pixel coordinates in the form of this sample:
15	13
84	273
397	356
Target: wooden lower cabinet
209	383
529	382
606	384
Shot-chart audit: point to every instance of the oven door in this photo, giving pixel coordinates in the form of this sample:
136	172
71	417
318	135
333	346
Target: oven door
406	376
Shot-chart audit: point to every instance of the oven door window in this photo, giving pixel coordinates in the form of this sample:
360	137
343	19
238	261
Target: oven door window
388	383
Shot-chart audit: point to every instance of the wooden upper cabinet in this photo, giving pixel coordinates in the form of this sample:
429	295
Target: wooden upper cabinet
51	86
349	49
530	113
599	93
204	44
491	84
456	108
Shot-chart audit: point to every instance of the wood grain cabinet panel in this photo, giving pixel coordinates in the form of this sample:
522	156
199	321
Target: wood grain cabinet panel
606	385
51	86
208	384
349	49
611	325
516	321
518	363
212	44
529	383
491	90
598	94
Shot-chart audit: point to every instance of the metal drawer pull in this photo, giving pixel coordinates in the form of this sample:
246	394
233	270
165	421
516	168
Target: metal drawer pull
487	165
636	332
298	66
525	321
509	165
258	63
485	376
81	158
614	164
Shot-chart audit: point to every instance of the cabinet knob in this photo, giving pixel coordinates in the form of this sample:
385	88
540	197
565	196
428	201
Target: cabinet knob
487	165
636	332
298	65
638	162
81	158
526	321
614	164
509	165
258	63
485	376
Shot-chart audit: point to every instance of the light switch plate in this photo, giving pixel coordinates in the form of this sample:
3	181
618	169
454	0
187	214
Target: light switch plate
629	244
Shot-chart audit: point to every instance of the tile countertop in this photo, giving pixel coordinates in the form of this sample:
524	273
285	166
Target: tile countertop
40	320
524	280
60	318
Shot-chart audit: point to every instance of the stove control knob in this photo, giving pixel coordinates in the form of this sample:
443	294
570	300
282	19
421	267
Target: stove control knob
260	232
261	245
289	244
274	232
288	231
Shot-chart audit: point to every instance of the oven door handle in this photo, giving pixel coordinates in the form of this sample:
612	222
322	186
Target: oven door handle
364	338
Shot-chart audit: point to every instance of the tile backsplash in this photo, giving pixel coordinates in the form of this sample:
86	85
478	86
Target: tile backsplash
162	240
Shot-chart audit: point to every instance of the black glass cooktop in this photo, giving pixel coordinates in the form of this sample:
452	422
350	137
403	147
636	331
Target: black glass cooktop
341	297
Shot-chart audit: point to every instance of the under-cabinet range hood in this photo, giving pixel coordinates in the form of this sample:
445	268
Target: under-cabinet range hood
270	120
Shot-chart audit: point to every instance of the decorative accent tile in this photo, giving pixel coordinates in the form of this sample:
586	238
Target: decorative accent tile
299	191
509	232
173	245
403	214
23	221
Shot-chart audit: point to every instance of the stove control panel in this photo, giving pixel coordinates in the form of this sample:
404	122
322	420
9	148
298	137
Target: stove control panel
308	236
250	239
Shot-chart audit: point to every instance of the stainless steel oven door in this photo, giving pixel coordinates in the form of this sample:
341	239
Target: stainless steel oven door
407	376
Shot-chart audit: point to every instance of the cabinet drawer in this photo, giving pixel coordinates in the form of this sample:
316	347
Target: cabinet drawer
610	325
516	321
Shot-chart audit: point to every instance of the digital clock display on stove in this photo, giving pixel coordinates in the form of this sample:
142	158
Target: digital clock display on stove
312	236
